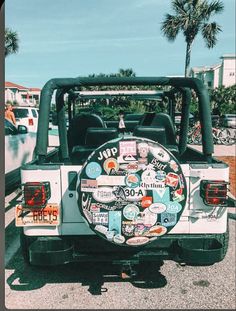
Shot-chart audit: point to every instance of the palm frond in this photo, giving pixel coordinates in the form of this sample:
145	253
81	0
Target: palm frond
209	33
171	26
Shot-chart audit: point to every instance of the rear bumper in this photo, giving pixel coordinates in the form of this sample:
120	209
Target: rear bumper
197	249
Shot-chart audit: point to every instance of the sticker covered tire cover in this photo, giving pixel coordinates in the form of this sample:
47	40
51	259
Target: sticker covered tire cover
131	191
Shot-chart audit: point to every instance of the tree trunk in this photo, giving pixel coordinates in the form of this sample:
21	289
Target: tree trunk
187	58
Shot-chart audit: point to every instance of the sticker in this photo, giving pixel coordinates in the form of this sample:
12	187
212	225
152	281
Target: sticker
101	229
137	240
104	195
100	218
143	149
146	217
110	166
158	165
134	194
119	193
160	175
127	148
94	208
131	167
157	208
148	176
143	161
110	235
172	180
146	202
181	181
173	207
88	185
173	165
105	180
154	185
88	215
141	230
130	211
132	180
128	228
161	195
160	154
178	196
119	239
86	201
107	153
168	220
157	231
115	221
93	170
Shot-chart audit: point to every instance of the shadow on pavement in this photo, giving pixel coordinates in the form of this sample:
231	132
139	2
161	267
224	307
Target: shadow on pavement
93	275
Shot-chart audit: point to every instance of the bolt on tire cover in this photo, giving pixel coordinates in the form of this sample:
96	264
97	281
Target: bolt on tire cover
131	191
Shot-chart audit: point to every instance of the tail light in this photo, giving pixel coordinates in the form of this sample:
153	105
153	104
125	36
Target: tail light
36	194
31	121
214	192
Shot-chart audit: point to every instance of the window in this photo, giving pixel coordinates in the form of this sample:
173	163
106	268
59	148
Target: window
209	84
34	113
21	113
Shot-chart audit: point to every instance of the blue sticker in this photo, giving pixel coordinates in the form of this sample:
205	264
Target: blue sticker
160	175
173	207
93	170
114	219
168	220
161	195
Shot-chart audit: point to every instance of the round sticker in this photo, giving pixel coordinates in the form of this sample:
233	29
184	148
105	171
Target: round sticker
130	211
132	180
131	191
110	166
93	170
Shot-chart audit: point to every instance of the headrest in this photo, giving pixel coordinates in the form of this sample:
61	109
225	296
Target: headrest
96	136
156	133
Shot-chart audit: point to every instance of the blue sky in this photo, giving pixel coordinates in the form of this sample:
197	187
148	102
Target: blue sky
69	38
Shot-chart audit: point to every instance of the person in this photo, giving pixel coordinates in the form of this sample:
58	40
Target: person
121	126
9	114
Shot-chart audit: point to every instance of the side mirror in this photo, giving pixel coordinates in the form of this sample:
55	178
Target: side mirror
22	129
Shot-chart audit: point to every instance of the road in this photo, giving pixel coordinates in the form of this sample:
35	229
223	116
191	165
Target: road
77	286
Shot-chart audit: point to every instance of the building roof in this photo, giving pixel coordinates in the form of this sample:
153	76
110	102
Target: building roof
206	68
15	86
11	85
228	56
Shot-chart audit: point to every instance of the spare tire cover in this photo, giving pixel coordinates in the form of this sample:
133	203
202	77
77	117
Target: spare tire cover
131	191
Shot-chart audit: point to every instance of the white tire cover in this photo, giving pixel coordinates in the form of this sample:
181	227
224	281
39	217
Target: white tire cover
131	191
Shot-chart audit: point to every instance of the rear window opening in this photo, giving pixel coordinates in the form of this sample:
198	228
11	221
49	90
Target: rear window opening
21	113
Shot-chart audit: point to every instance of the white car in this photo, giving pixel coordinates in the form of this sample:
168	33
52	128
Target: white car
27	116
19	149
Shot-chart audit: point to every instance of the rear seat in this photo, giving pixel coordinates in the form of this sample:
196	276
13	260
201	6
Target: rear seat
94	138
160	130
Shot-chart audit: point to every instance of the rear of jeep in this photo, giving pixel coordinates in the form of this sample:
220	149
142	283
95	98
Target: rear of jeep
125	200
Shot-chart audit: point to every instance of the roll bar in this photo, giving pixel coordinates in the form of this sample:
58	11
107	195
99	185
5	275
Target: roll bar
64	85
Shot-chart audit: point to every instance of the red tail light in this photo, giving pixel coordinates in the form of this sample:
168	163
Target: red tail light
214	192
31	121
36	194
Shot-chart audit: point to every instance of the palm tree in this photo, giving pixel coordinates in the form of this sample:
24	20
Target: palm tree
11	42
192	17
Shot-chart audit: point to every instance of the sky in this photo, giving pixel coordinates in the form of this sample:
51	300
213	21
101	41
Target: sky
71	38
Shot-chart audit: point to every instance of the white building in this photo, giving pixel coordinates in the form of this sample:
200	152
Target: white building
24	96
217	75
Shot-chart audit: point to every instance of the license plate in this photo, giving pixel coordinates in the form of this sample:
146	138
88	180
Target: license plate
47	216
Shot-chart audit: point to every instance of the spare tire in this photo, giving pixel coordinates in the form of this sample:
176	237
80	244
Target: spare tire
131	191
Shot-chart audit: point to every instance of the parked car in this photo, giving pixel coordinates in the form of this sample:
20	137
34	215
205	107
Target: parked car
19	149
229	120
27	116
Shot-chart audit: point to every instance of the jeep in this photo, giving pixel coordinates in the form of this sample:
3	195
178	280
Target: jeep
125	199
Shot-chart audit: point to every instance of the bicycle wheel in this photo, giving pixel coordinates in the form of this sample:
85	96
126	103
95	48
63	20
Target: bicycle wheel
225	137
197	139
